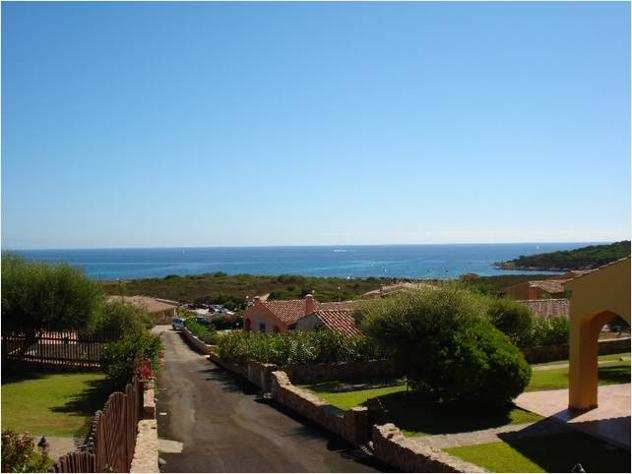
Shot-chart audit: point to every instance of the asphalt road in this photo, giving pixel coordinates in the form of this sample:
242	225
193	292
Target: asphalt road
224	426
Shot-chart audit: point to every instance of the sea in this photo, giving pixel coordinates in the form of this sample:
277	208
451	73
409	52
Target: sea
406	261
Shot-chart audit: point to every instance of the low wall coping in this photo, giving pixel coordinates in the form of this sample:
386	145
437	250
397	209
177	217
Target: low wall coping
149	403
146	452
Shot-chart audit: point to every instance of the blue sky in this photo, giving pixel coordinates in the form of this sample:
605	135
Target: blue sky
230	124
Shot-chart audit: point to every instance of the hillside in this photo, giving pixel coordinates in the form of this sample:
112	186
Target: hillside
231	290
584	258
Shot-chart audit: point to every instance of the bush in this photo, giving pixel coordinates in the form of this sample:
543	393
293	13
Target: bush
120	358
204	333
234	321
512	318
442	340
548	332
117	319
19	454
38	295
292	348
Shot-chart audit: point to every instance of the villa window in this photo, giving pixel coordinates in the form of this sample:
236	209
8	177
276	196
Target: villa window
262	327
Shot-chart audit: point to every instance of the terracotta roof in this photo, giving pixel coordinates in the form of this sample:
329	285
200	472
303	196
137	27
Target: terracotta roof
338	320
550	286
288	311
547	307
152	305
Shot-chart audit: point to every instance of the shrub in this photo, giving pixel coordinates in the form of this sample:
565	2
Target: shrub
292	348
204	333
120	358
19	454
234	321
117	319
512	318
442	340
548	331
38	295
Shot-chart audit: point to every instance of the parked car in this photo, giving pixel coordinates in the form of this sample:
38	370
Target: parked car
202	320
177	324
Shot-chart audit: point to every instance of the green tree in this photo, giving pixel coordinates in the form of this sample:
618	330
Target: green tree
46	296
441	339
512	318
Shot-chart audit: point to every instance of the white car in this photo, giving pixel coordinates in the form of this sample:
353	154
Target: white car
177	324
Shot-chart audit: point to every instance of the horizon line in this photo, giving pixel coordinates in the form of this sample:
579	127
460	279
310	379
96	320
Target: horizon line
303	245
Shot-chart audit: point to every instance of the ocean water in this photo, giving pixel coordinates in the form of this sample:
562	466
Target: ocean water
412	261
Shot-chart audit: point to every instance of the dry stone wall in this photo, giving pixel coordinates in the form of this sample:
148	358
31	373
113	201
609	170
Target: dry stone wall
393	448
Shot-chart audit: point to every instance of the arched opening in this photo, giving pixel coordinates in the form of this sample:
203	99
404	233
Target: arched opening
247	324
584	364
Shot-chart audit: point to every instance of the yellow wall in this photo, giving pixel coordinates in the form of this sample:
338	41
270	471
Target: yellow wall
595	299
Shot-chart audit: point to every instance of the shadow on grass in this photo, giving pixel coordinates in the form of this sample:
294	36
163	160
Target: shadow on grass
560	452
341	386
87	403
614	375
411	414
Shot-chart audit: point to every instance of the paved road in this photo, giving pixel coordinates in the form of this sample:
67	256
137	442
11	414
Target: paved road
225	427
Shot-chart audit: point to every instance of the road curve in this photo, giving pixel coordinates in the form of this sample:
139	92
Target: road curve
224	426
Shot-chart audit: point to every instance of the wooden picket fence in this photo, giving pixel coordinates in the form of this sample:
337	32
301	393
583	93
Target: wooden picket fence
59	349
109	445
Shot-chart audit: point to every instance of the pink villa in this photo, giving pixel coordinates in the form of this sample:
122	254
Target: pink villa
306	314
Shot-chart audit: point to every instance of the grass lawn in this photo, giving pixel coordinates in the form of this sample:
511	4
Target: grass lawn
603	359
553	453
612	370
54	404
345	397
416	417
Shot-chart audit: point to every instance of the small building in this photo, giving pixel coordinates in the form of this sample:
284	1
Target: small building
334	319
284	315
551	288
162	310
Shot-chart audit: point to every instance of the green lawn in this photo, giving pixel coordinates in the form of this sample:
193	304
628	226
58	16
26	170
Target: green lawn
612	370
345	397
54	404
416	417
553	453
603	359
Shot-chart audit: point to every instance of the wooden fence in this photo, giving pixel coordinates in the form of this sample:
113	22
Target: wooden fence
109	445
61	349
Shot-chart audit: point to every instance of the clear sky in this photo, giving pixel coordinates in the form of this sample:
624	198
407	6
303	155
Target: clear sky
262	124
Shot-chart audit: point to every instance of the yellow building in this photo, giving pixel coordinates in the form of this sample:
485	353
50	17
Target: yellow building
595	299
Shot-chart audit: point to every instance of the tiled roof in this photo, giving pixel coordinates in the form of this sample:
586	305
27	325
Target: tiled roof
548	307
290	311
338	320
550	286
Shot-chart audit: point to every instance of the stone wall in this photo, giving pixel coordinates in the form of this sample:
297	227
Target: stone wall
409	455
351	425
536	355
197	343
146	451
